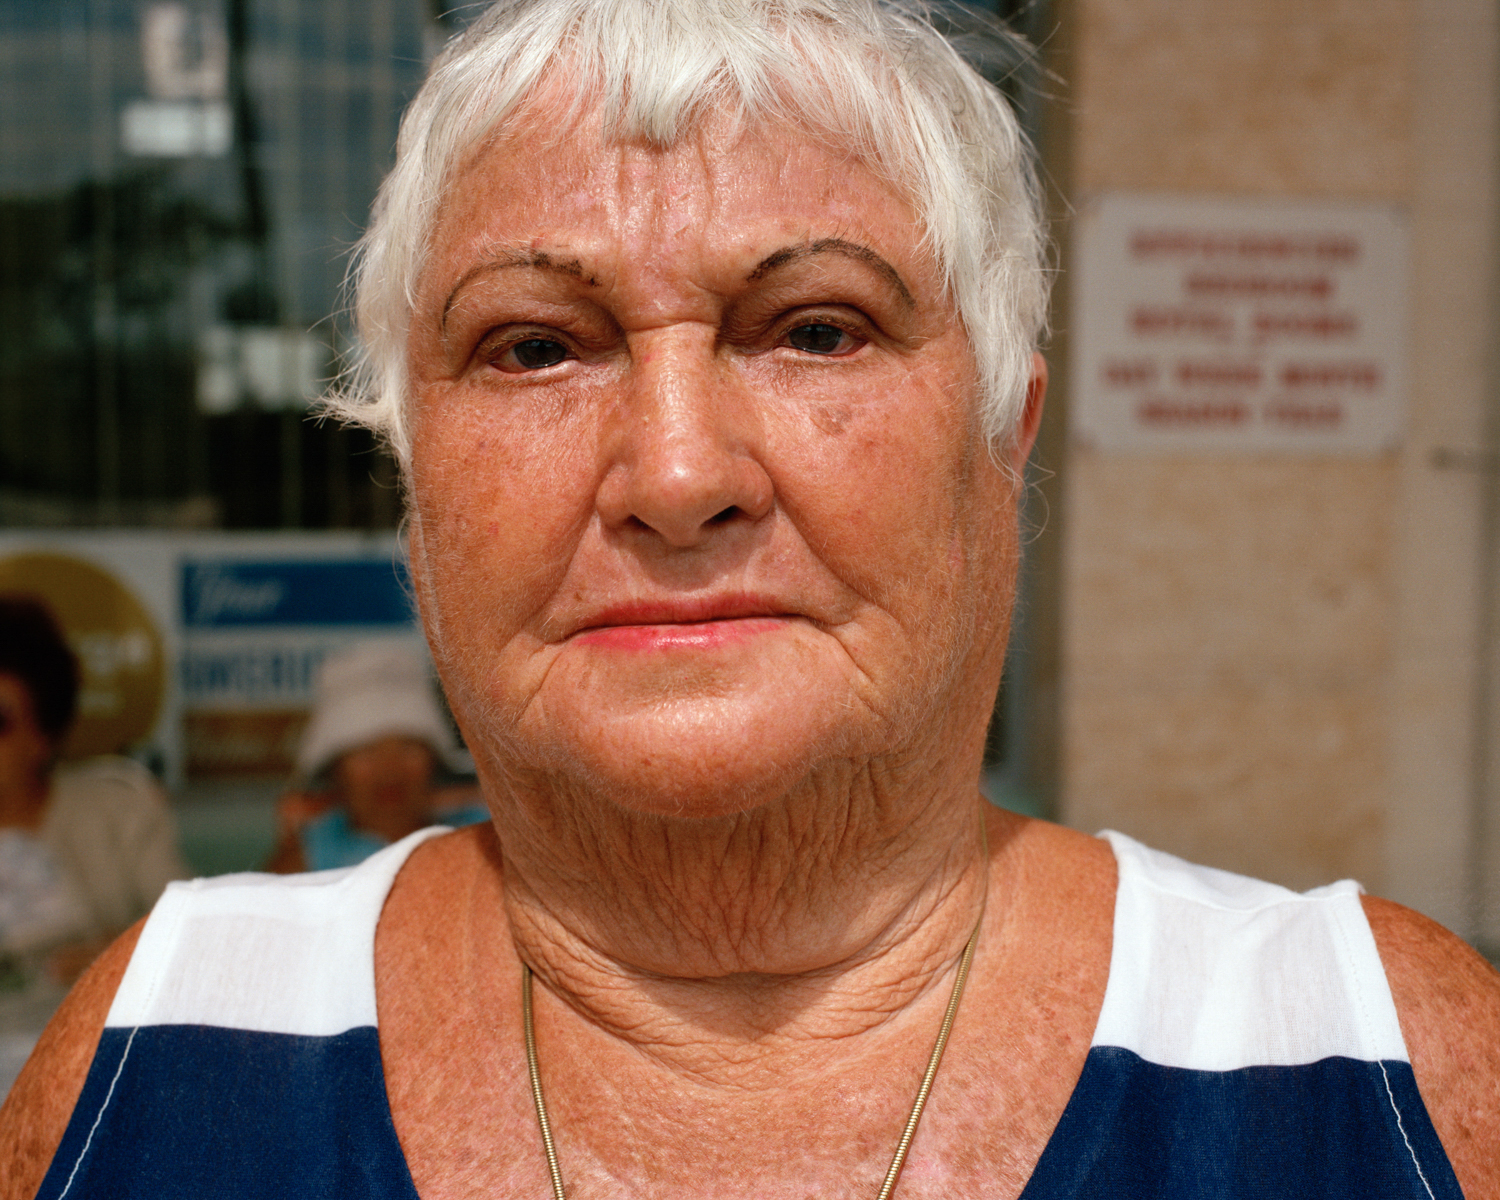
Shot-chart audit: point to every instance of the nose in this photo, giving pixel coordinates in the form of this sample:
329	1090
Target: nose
685	444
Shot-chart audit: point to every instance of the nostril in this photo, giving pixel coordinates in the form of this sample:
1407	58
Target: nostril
720	518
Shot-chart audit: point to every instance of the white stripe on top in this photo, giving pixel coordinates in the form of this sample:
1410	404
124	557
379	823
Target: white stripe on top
1209	971
270	953
1213	971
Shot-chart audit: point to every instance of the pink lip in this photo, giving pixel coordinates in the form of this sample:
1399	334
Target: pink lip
699	624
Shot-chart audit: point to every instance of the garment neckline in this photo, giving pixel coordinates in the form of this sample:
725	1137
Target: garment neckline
388	1116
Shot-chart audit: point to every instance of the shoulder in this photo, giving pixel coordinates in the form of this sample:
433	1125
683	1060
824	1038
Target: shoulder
109	773
464	862
1448	1001
420	935
121	785
1055	888
1060	883
1047	852
36	1113
288	928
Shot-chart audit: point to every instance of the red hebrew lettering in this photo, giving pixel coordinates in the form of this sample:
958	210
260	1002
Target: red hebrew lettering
1336	248
1151	243
1365	376
1214	285
1193	243
1316	325
1131	373
1294	415
1166	412
1218	374
1180	322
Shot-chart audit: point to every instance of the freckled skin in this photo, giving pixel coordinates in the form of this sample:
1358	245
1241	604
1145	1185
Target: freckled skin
684	447
743	867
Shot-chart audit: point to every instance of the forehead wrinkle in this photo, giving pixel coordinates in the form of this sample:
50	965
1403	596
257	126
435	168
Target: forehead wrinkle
789	254
507	258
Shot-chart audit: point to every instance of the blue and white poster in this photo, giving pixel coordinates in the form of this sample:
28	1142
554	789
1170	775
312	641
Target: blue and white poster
244	622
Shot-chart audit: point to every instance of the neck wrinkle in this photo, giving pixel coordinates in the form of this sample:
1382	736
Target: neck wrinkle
710	981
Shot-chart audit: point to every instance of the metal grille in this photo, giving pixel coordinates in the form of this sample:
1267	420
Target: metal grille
179	182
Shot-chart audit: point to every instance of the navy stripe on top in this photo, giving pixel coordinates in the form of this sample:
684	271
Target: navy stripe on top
191	1112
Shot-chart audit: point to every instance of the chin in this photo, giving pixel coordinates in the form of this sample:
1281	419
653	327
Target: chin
699	761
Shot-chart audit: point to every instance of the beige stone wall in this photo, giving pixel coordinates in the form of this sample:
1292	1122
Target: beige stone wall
1442	808
1267	662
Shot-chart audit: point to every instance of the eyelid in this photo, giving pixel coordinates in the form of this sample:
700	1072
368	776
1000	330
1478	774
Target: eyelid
509	335
502	336
851	323
842	316
497	343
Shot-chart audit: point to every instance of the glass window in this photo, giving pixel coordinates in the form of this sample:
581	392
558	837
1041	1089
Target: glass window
180	181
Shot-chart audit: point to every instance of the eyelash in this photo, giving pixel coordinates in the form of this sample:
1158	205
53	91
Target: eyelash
495	350
848	329
502	348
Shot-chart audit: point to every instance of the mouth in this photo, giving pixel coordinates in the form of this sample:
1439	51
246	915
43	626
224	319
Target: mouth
698	623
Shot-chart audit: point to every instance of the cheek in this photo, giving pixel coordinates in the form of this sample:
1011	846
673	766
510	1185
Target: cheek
500	504
904	505
884	489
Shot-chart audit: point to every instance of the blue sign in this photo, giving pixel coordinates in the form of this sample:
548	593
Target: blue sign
250	593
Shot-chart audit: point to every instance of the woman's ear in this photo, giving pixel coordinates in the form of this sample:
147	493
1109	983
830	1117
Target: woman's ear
1031	414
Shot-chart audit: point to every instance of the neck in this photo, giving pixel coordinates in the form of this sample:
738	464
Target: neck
822	915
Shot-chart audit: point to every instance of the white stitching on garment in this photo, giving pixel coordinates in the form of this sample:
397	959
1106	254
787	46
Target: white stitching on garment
1399	1125
163	912
1364	1008
109	1095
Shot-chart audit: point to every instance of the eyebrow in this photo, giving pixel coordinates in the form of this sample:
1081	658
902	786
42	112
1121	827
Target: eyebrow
540	260
536	260
791	254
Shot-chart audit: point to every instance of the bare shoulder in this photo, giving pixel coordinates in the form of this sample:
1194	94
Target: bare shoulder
444	875
36	1114
1053	858
441	867
1056	889
1448	999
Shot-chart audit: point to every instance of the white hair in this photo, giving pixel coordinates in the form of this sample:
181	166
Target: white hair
871	77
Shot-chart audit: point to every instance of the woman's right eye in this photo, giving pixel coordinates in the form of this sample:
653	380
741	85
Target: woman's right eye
532	354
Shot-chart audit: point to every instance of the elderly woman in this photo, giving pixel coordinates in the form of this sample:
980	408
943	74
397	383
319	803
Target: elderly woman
704	331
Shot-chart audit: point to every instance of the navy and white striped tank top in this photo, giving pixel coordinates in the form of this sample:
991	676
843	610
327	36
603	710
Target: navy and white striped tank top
1248	1048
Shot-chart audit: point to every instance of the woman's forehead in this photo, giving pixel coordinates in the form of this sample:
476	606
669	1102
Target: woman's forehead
722	191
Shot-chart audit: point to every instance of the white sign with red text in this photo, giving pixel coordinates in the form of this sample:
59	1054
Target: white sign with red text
1260	325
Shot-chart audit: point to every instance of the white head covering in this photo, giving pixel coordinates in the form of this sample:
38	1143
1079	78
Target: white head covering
370	691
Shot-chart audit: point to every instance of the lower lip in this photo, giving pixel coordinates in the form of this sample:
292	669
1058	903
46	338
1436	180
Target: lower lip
698	635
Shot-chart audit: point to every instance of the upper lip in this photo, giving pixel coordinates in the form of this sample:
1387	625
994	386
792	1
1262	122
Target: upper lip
685	610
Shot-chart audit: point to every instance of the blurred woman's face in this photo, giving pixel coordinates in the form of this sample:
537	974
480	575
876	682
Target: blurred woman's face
386	785
25	751
700	502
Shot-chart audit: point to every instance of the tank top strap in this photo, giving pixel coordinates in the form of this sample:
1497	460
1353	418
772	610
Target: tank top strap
241	1058
1214	971
1247	1048
275	954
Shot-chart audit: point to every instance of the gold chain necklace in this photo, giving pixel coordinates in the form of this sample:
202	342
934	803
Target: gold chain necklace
891	1175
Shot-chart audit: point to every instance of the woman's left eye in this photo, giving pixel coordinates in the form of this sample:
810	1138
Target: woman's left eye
817	338
535	353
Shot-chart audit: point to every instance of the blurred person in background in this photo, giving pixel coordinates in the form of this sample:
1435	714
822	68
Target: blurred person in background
85	847
370	759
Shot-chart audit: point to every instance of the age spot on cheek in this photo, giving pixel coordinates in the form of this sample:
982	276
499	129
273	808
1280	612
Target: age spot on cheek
833	418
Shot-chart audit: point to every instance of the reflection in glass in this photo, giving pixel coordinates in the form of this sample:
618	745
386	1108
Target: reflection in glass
179	182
